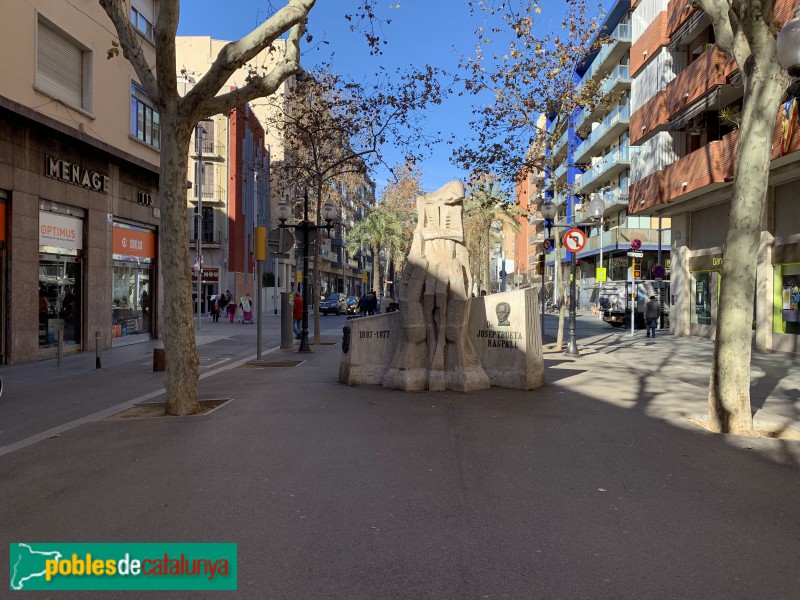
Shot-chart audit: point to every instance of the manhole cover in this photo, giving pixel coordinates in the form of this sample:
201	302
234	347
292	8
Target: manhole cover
262	364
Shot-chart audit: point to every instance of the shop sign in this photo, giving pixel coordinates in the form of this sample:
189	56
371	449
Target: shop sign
131	242
75	174
708	262
210	275
144	199
60	231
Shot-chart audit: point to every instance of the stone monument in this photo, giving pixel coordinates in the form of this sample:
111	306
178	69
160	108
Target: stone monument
434	351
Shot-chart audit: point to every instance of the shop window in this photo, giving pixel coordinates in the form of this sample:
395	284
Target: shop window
145	121
786	317
704	287
59	300
63	66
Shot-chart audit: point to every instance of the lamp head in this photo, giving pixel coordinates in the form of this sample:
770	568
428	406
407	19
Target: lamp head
597	207
548	210
788	45
329	212
283	210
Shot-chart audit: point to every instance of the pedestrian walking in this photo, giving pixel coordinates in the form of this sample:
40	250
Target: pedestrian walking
216	309
231	310
652	311
372	303
362	304
297	315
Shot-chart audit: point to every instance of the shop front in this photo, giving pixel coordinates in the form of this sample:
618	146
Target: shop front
209	287
705	274
61	294
132	293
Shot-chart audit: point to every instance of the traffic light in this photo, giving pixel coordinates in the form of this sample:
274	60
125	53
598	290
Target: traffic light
636	269
540	265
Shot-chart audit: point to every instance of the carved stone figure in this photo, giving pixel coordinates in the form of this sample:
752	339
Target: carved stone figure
435	351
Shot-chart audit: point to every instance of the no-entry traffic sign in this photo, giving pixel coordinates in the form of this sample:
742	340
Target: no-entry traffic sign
574	240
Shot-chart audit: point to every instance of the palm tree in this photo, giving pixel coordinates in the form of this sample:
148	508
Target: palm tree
379	230
486	205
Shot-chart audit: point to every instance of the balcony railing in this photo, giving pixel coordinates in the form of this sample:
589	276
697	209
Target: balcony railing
613	125
709	70
561	171
211	193
616	160
211	149
620	76
620	35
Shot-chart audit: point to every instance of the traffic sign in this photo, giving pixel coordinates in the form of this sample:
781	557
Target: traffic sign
636	244
574	240
636	254
658	272
280	240
600	273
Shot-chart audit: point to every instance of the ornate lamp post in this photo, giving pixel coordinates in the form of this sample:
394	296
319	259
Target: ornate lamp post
306	228
549	211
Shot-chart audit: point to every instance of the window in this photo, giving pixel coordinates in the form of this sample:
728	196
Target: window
143	24
145	121
63	67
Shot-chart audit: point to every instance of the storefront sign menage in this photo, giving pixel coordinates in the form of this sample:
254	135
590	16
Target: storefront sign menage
75	174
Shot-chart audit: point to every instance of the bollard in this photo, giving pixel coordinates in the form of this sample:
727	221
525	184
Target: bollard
60	349
96	349
159	359
287	336
346	339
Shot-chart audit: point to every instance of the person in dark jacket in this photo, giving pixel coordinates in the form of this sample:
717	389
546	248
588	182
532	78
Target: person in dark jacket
652	311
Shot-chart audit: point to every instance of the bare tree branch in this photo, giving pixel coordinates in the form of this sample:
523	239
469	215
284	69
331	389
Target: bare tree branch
235	54
265	85
130	42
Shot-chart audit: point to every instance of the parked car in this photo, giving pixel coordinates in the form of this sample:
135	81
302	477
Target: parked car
352	305
333	303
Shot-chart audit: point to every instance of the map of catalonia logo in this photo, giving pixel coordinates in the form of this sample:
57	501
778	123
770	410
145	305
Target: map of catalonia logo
83	566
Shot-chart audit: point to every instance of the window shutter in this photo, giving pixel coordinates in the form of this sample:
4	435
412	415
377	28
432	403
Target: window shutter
59	67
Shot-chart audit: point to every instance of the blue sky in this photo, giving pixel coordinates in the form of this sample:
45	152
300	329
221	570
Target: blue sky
436	32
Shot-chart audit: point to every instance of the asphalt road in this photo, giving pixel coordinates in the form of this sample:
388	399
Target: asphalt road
334	492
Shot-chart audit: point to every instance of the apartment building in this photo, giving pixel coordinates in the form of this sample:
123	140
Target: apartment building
593	155
79	205
236	196
686	95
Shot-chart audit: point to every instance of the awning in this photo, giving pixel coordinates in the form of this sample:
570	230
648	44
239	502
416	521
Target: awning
706	103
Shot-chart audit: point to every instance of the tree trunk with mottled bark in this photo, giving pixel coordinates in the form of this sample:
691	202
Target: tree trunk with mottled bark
744	30
178	323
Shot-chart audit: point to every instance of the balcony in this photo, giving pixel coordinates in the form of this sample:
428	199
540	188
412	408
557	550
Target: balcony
611	53
692	175
650	118
678	12
709	70
615	123
611	164
618	81
212	194
561	144
619	238
649	42
561	171
212	150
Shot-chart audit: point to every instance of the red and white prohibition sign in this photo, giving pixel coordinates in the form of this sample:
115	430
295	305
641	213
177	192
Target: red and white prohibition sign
574	240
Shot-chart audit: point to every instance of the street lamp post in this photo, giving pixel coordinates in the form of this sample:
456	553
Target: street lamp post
306	228
198	222
549	211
